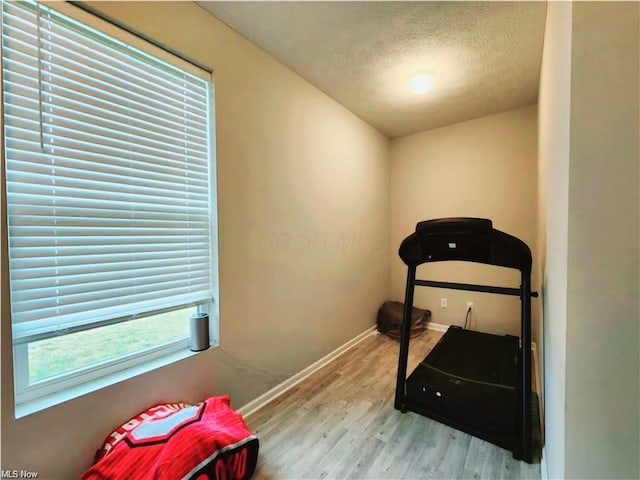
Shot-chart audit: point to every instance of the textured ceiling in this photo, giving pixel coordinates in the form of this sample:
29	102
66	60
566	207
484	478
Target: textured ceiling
486	55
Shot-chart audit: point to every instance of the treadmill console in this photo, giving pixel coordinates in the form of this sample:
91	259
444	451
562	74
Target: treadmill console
464	239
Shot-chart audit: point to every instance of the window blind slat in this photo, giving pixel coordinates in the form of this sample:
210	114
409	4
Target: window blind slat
38	255
59	71
102	298
65	124
162	170
73	281
19	142
92	240
14	102
68	123
66	177
87	218
74	61
74	43
27	203
26	261
47	296
107	171
68	246
67	129
22	64
80	104
75	81
108	104
102	191
58	319
120	169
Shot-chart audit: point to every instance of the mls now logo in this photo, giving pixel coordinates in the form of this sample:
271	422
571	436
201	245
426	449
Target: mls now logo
18	474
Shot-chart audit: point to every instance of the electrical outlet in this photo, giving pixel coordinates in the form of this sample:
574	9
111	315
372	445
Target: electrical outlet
443	302
469	306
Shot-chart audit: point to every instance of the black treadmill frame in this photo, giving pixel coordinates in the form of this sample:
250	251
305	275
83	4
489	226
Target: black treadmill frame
437	240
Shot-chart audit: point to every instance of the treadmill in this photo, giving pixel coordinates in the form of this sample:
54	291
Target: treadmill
475	382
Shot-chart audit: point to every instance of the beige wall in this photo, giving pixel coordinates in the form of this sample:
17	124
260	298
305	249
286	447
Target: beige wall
602	435
303	194
481	168
553	203
590	166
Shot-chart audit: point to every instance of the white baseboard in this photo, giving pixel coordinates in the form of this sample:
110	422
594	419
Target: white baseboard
437	327
292	381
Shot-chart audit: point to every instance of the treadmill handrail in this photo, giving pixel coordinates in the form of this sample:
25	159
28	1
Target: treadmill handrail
472	287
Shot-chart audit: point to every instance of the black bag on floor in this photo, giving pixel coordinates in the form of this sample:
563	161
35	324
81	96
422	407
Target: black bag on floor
390	319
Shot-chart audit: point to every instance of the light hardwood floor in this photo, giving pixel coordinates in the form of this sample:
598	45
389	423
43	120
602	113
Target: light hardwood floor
340	423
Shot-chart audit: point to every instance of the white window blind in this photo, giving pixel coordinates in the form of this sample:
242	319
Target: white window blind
107	168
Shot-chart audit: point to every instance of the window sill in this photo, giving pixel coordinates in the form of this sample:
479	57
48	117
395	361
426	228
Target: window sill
32	406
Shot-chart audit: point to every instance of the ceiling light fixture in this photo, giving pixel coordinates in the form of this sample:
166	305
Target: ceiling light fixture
421	83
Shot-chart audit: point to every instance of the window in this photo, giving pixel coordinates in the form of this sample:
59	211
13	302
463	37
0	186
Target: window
110	187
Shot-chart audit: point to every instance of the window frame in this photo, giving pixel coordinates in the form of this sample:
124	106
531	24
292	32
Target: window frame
28	397
83	375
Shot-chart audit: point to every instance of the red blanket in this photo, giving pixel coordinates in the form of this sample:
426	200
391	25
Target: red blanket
207	441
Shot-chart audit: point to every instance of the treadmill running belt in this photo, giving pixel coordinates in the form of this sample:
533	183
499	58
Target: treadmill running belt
469	380
476	356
